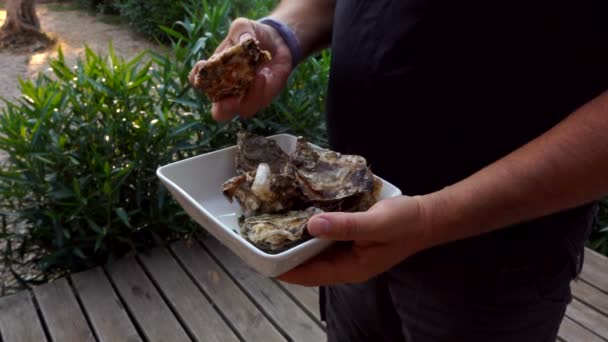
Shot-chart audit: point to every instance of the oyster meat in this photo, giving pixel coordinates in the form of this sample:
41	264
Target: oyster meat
278	193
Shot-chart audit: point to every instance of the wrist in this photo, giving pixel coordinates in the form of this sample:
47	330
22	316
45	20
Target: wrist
438	219
288	36
311	21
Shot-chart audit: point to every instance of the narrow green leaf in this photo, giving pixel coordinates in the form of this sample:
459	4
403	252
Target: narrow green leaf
122	214
172	33
187	103
160	114
76	188
100	87
98	243
107	188
62	194
79	253
139	81
112	53
200	44
182	128
94	226
135	60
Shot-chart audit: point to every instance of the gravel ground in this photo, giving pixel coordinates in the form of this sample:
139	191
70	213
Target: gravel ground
72	29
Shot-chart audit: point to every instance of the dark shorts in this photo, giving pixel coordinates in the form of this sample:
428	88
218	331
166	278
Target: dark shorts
411	303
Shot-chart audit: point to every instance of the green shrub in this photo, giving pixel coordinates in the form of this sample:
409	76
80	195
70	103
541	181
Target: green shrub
100	6
84	143
83	148
145	16
599	237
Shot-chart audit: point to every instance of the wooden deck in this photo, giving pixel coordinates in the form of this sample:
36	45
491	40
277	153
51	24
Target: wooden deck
587	316
203	292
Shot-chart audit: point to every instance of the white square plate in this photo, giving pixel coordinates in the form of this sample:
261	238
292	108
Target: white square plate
196	184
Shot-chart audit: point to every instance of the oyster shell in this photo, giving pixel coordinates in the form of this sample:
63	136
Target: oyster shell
264	192
279	193
252	150
239	187
276	232
329	176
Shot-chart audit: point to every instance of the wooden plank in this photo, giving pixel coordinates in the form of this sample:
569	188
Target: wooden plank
199	316
248	321
570	331
588	317
595	270
19	320
105	311
307	296
269	296
148	308
590	296
64	319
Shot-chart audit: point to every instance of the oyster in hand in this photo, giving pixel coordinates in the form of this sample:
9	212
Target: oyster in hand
276	232
231	72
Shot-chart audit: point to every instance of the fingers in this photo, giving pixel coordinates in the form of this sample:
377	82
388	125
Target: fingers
256	98
194	72
240	29
334	267
339	266
361	226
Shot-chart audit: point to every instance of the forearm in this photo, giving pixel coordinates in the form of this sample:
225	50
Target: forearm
311	20
564	168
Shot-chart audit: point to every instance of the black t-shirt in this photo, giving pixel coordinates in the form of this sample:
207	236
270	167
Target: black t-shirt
430	91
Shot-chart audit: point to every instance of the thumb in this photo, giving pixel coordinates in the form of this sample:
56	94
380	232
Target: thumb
343	226
240	30
244	36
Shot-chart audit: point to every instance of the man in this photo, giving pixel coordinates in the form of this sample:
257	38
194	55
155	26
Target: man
491	118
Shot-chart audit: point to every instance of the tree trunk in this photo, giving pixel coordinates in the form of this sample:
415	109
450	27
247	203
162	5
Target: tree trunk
21	16
22	27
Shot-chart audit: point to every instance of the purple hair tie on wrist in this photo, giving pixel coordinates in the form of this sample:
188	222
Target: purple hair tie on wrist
288	36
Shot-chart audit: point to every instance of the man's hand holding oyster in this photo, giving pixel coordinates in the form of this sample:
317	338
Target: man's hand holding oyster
551	173
288	198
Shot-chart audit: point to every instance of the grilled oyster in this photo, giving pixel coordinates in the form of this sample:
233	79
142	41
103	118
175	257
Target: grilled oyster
252	150
359	202
279	193
264	192
276	232
326	176
231	72
239	187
